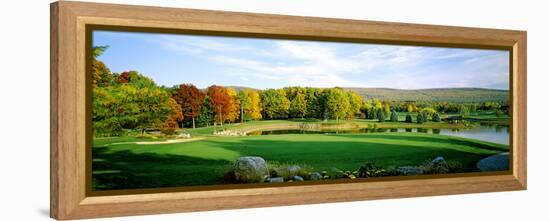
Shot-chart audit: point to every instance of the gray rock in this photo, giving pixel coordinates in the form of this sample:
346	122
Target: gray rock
498	162
298	178
315	176
250	169
410	170
275	180
294	169
438	165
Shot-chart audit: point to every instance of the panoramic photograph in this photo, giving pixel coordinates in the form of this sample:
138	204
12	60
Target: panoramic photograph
175	110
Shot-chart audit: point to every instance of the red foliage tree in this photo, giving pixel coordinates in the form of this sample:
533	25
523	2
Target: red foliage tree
190	99
220	101
123	78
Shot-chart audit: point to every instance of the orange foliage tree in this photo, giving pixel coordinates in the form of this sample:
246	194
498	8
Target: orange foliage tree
171	123
190	98
221	102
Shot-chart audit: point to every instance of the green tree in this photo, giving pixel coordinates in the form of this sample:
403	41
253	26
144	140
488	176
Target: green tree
408	118
421	117
275	105
381	116
314	106
394	117
464	111
298	105
436	117
245	103
206	113
337	103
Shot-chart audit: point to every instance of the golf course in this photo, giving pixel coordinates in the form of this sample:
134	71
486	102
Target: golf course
190	111
129	162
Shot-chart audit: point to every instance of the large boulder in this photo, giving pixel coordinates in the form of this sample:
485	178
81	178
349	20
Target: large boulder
250	169
498	162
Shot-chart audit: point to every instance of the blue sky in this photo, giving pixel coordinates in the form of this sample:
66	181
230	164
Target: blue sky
269	63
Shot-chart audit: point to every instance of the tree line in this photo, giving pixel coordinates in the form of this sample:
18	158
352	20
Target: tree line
131	101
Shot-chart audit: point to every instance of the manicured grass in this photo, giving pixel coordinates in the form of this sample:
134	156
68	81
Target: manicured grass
121	165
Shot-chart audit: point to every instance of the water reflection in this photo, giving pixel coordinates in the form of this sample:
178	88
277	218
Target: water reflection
485	132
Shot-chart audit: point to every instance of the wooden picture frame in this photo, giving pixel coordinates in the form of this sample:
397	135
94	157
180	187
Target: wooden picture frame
69	198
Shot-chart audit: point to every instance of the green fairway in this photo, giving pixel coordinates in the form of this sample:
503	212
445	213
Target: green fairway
119	163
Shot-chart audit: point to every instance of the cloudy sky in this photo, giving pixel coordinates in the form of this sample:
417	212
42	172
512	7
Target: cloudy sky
267	63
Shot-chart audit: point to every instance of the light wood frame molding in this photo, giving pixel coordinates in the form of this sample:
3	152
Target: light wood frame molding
68	107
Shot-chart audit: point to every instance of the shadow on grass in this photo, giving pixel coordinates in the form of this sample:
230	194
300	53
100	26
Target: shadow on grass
115	170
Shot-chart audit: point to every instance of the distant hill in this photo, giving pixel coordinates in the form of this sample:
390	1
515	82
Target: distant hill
458	95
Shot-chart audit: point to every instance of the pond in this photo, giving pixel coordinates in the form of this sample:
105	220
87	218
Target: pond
486	132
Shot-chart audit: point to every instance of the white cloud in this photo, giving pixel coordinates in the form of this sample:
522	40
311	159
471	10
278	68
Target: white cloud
319	64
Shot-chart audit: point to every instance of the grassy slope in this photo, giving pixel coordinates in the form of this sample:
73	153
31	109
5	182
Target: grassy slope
122	166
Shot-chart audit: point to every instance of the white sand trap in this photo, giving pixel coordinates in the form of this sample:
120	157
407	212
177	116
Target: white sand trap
169	141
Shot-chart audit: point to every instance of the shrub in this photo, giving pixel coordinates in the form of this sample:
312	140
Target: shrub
436	117
408	118
439	167
370	170
288	170
454	166
499	113
229	177
394	117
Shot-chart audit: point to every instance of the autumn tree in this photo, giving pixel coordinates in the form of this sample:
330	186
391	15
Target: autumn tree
275	105
387	109
190	98
101	74
355	103
337	103
135	104
254	109
410	107
233	106
171	123
220	101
